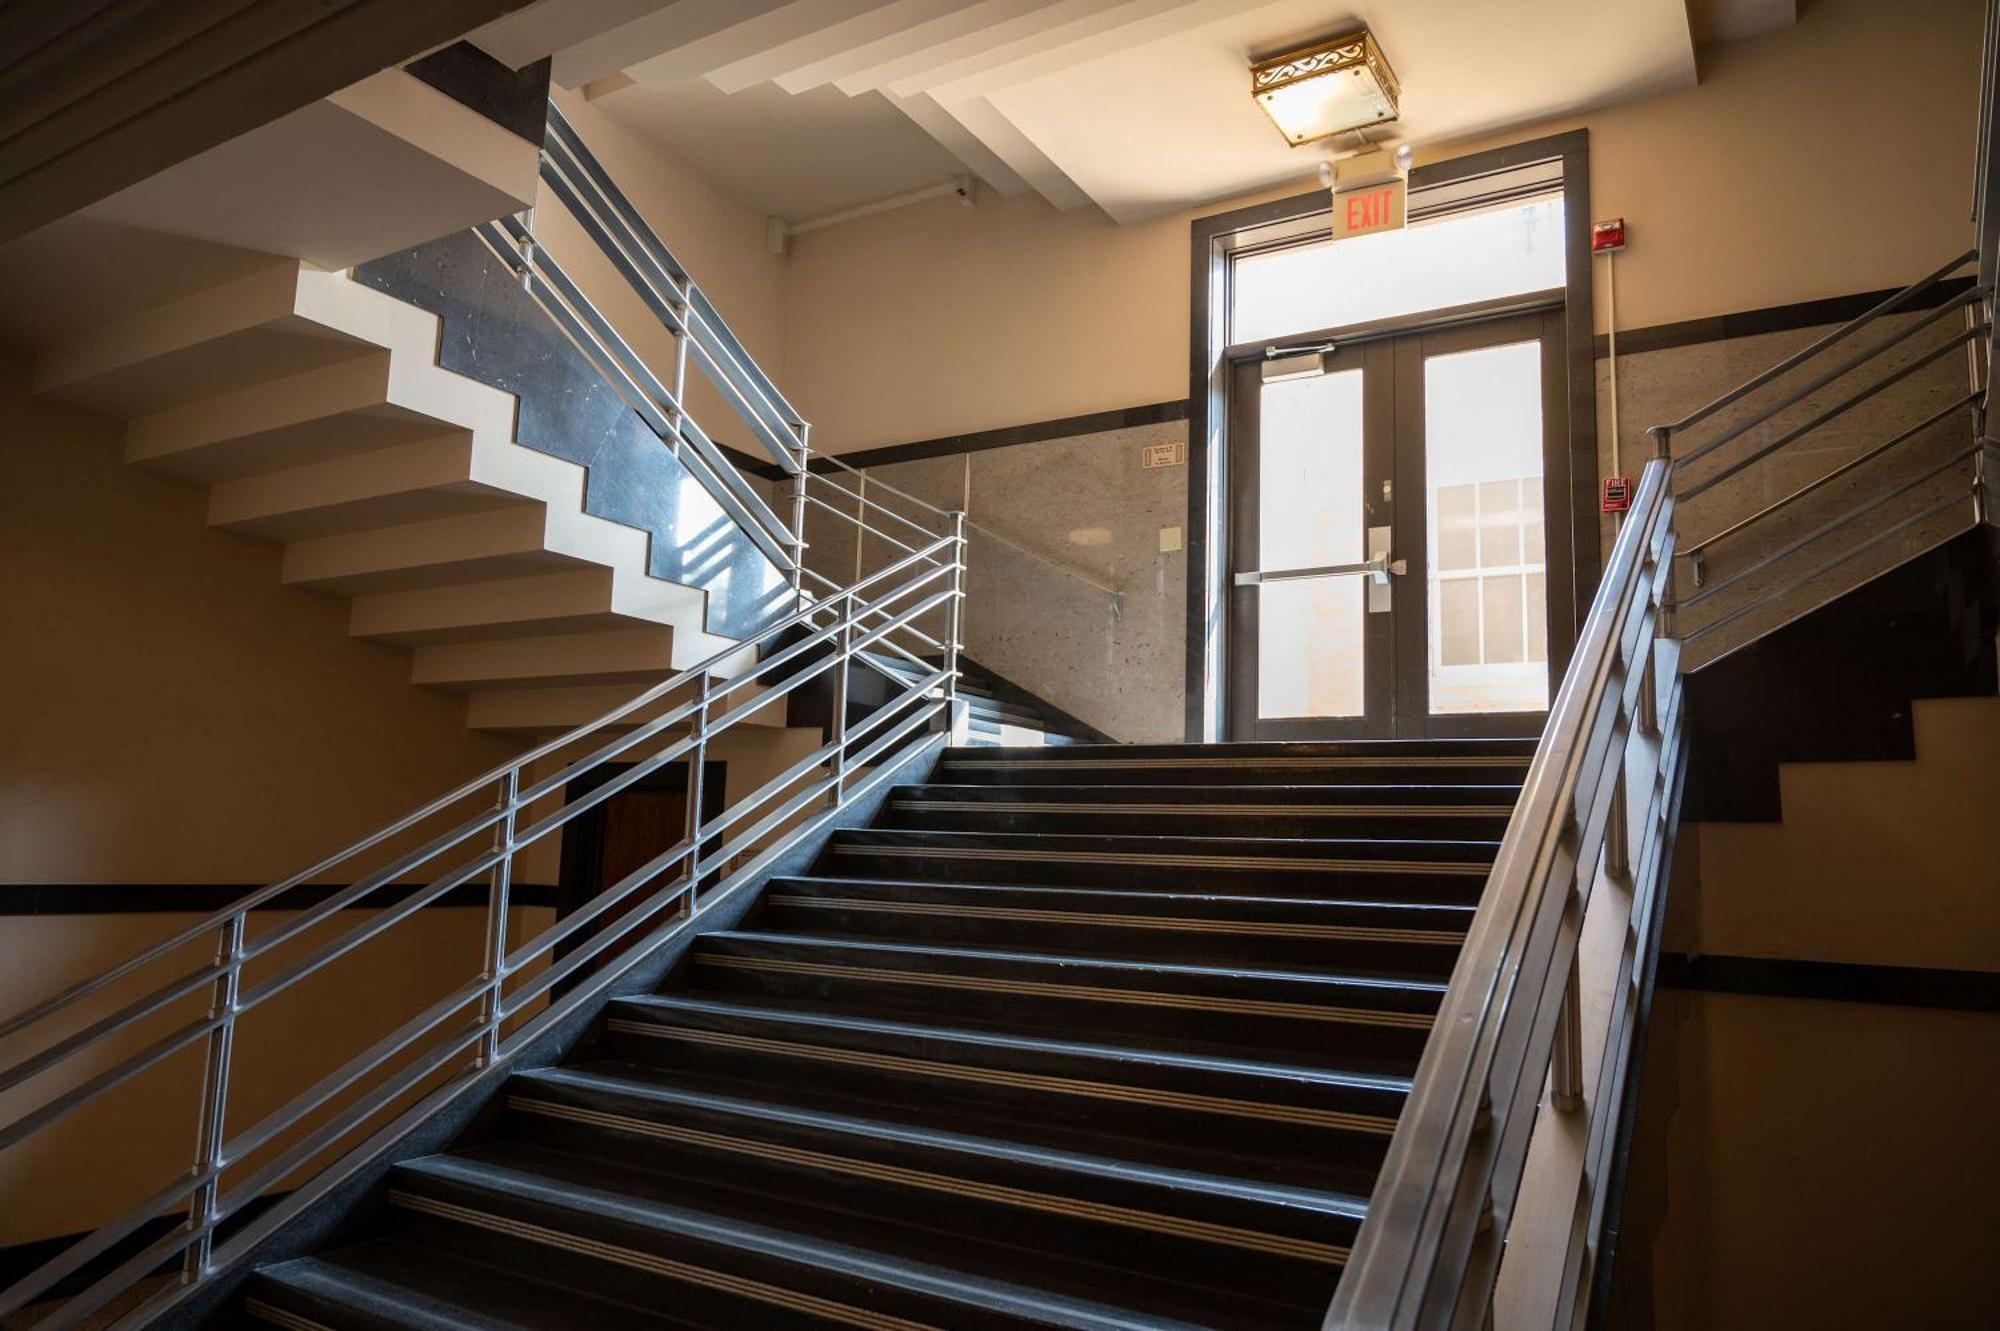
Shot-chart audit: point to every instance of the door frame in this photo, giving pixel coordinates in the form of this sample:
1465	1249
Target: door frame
1392	353
1215	239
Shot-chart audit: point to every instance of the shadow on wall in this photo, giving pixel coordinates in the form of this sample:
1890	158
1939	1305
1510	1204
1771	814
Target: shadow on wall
1056	523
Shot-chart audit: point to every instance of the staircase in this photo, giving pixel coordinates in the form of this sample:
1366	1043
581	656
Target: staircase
1081	1037
997	712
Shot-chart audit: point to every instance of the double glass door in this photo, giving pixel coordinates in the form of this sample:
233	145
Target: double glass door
1392	557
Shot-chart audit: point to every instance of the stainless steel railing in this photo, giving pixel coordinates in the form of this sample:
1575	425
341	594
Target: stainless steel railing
1592	831
1528	1005
69	1057
516	991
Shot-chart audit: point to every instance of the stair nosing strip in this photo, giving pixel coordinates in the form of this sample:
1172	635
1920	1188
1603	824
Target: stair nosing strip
1001	1194
654	1264
284	1317
1086	993
1133	894
1342	1120
1024	914
1453	868
1352	760
1212	810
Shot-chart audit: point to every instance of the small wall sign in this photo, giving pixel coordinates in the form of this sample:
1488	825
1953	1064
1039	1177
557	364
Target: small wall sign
1617	494
1164	455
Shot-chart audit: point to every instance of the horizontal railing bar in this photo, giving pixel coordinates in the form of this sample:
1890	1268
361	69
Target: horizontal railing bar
1854	325
857	522
588	950
896	732
915	692
1840	408
1840	371
369	885
1828	566
599	342
1792	547
1810	487
28	1124
386	918
132	1013
623	243
260	1134
563	139
579	918
864	502
874	483
319	1139
804	797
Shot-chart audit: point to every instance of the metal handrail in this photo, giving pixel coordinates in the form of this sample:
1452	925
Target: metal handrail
1598	809
1800	357
1438	1217
495	1014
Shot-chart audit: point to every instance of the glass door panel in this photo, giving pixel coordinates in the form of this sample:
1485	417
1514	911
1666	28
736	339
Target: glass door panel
1487	560
1310	656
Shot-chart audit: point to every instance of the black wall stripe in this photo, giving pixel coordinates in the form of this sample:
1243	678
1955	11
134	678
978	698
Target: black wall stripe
1845	982
1771	319
203	898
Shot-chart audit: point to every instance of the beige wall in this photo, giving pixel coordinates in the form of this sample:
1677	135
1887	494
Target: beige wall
176	713
1742	192
1805	1163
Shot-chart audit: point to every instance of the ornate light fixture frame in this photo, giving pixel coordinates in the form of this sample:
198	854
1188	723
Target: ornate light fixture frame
1355	50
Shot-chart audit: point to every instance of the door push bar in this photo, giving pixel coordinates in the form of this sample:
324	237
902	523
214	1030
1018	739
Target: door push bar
1378	568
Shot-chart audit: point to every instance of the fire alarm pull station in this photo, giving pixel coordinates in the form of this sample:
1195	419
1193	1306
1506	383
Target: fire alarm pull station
1617	494
1607	237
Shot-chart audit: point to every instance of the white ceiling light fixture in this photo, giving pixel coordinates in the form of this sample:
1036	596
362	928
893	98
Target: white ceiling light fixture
1330	87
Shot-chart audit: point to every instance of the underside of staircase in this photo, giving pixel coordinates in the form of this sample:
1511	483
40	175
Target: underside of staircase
315	411
1086	1036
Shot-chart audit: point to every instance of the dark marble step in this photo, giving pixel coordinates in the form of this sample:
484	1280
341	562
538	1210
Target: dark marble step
1289	1242
1316	1128
731	1258
1431	870
1353	937
1398	811
1101	764
381	1285
1316	1019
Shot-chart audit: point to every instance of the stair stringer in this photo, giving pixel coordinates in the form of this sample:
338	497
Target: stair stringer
316	412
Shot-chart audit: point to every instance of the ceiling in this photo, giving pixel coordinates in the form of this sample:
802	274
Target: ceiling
800	108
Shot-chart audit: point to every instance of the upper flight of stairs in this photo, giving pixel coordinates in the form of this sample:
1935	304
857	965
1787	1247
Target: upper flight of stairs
1087	1036
315	412
997	712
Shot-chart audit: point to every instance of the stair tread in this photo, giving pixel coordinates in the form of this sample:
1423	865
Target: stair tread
973	1040
870	1130
426	1290
1132	901
579	1191
1069	965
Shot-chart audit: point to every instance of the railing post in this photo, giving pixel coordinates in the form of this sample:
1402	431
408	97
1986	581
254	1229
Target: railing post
214	1097
798	576
1649	688
955	613
496	919
844	645
1617	833
697	777
1566	1063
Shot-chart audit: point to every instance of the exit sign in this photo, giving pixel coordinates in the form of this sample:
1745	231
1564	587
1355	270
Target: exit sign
1360	212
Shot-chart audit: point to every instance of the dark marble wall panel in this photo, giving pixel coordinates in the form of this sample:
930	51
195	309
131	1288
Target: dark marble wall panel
494	332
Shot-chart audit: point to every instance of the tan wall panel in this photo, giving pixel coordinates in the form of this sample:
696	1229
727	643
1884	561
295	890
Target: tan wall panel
1830	1165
